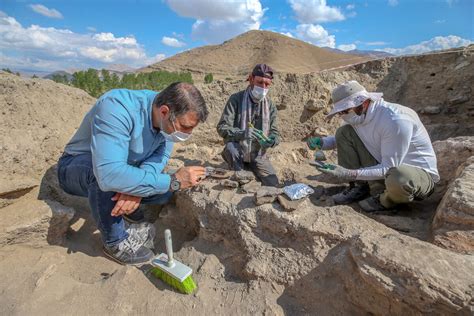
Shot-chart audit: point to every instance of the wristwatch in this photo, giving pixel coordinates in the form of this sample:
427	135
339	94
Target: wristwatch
175	185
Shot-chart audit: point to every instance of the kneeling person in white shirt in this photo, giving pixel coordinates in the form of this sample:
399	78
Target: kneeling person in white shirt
381	140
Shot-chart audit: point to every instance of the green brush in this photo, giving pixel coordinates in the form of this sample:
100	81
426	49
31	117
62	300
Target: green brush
172	271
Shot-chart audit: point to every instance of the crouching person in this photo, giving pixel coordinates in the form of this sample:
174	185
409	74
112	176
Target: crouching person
117	156
380	141
248	127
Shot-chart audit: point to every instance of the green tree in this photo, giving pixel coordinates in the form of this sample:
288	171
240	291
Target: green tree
208	78
7	70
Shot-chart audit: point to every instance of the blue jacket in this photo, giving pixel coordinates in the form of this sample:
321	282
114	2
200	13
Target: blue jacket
128	154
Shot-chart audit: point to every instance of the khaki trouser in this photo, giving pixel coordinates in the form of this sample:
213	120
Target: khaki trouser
403	184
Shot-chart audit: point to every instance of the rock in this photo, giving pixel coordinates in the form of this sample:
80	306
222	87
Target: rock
330	259
458	99
230	184
35	222
251	187
450	154
453	224
267	195
433	109
315	105
289	205
243	176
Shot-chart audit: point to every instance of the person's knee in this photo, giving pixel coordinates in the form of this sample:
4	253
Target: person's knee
398	187
344	132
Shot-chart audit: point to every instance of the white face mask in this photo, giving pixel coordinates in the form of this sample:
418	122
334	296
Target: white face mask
353	119
176	136
259	93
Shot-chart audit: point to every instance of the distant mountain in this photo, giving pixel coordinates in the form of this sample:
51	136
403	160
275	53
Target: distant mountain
117	69
60	73
372	54
239	54
120	68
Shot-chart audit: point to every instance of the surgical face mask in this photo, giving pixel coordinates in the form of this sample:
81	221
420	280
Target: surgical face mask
176	136
259	93
352	118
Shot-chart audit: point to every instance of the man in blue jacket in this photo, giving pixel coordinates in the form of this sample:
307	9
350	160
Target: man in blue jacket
117	156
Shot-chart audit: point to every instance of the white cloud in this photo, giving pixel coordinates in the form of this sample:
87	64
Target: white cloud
378	43
171	41
91	29
219	20
350	6
316	35
393	3
315	11
436	43
50	13
48	48
287	34
440	21
347	47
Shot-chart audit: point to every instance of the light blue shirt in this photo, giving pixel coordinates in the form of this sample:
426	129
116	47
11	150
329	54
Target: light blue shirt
128	154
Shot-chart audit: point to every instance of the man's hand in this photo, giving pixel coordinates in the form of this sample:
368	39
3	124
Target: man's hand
338	172
314	143
269	142
126	204
190	176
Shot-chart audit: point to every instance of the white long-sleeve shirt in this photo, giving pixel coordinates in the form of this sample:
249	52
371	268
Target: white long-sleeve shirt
395	136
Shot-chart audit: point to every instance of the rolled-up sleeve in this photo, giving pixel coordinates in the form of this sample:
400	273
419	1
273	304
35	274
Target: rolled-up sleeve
111	130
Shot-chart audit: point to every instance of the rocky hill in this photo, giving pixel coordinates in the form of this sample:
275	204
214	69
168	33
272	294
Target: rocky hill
240	54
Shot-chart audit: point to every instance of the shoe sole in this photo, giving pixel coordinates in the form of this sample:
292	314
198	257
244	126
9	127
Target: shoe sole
109	256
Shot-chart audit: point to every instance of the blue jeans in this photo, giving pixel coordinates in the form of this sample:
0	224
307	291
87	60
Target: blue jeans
76	177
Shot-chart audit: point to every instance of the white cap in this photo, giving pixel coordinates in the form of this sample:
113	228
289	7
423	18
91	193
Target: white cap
349	95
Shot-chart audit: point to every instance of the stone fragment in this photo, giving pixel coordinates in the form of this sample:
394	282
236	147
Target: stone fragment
251	187
230	183
243	176
267	195
314	105
289	205
432	109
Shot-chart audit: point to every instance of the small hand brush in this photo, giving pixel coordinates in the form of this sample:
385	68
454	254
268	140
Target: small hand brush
172	271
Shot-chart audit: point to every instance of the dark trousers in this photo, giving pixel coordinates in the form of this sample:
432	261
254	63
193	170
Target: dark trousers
76	177
260	166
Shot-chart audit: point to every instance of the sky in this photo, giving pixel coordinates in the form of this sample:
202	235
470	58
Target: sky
77	34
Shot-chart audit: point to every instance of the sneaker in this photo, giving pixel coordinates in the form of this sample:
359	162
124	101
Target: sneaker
145	232
129	251
372	204
136	217
352	194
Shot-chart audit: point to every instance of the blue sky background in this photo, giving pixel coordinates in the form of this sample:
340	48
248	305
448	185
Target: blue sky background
52	35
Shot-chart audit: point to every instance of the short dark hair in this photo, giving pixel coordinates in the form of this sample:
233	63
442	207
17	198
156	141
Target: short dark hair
182	97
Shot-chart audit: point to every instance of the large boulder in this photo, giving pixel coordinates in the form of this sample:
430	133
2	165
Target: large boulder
450	154
329	259
453	224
